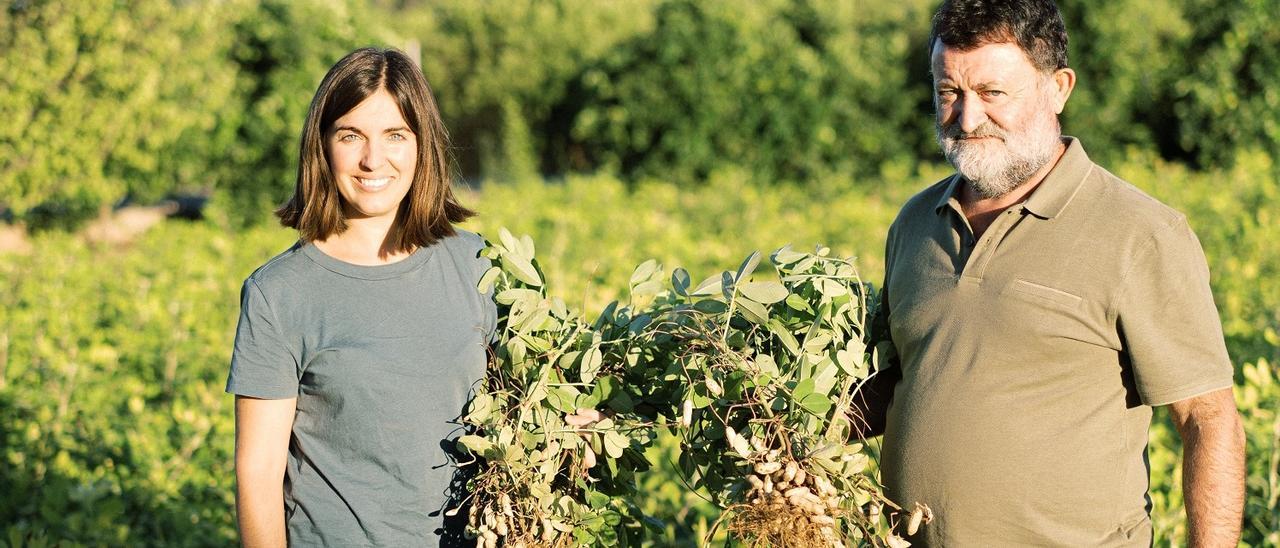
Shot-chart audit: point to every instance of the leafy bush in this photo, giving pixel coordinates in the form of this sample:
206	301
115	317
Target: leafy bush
500	69
107	99
788	91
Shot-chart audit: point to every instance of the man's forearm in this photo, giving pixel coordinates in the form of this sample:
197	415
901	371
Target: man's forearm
1213	480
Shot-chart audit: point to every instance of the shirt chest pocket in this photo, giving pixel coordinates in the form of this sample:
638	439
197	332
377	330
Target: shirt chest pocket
1043	295
1048	312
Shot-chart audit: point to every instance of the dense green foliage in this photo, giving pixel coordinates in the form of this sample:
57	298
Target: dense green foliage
198	96
113	359
87	123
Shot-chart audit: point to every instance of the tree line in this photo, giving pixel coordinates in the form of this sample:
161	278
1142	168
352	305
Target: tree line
114	101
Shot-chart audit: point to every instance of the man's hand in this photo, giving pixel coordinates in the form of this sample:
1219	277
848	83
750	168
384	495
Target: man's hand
1212	467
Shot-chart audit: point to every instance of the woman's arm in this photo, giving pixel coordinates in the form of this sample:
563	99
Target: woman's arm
262	447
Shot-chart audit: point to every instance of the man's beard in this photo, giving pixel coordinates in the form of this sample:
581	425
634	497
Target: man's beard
996	168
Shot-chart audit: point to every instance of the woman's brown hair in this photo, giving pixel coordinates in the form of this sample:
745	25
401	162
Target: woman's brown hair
429	209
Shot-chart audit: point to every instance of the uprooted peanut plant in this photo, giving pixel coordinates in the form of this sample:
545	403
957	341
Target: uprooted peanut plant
755	373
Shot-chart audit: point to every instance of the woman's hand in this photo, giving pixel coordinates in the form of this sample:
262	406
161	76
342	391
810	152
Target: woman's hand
262	449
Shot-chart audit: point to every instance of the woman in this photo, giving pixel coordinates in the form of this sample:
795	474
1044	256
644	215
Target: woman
356	348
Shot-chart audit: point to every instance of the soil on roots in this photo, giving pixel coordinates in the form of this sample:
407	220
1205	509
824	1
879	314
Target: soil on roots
777	526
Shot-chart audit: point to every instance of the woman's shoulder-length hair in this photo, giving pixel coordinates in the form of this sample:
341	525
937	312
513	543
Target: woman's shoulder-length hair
429	209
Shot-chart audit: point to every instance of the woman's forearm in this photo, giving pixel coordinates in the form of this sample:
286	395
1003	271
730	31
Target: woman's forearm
262	446
260	512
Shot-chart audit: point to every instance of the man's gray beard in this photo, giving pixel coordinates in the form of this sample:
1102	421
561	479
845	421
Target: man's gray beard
995	175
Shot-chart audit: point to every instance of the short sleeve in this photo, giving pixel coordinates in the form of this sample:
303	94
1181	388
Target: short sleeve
1168	320
262	363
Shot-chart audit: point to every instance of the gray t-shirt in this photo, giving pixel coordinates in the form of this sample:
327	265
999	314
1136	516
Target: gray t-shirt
382	360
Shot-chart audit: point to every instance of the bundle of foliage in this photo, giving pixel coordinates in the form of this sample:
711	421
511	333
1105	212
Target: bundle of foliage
561	414
771	368
568	407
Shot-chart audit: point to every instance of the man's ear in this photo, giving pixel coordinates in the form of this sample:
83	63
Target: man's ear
1063	81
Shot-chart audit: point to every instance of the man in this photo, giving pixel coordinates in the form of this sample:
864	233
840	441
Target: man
1039	308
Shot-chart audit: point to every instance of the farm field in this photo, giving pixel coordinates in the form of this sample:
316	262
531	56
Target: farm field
113	359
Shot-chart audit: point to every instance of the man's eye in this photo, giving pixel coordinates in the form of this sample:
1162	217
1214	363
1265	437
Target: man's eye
994	93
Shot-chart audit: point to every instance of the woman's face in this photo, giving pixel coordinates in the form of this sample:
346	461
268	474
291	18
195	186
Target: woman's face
373	155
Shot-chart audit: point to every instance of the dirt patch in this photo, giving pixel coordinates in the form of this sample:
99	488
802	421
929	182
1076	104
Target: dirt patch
13	239
123	225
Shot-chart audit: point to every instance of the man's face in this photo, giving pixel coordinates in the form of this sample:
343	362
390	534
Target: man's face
997	115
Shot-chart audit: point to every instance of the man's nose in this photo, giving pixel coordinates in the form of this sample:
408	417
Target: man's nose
971	115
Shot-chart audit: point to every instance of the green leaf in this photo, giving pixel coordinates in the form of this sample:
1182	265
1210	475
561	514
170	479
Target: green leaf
763	292
748	266
726	285
526	247
798	303
563	398
753	311
710	306
847	361
480	408
511	296
614	443
651	287
680	282
522	268
606	387
590	367
475	444
786	256
802	389
509	242
643	272
831	288
784	336
815	403
597	500
487	280
710	286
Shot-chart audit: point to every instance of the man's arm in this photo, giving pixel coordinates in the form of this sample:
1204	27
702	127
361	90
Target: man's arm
871	403
871	400
263	428
1212	467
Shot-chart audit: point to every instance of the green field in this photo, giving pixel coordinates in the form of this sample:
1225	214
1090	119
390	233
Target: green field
113	359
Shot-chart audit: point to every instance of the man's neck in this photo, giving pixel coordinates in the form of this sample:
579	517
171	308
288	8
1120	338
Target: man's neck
982	211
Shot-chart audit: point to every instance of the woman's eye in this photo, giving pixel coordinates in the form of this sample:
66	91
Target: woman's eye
397	137
347	138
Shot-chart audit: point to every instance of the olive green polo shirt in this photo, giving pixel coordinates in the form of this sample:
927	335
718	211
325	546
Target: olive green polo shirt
1029	359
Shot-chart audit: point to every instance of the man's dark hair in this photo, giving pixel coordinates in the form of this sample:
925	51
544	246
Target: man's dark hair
1035	25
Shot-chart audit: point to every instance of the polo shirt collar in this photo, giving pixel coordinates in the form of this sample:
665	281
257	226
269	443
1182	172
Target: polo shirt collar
950	195
1055	191
1063	182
